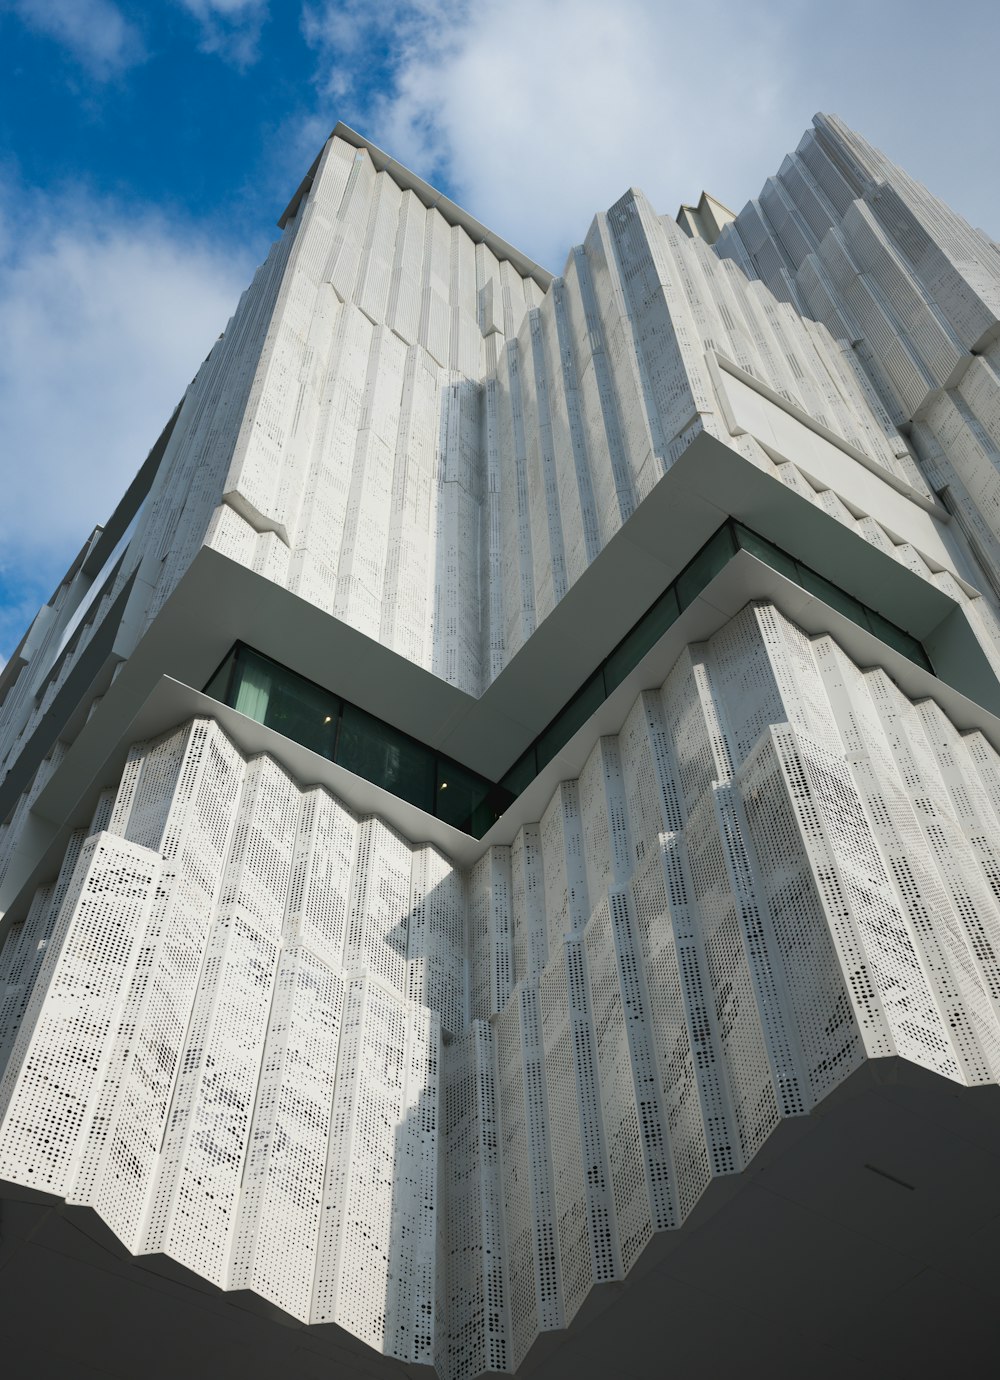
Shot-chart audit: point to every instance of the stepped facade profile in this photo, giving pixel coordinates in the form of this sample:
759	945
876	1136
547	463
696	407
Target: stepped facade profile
505	817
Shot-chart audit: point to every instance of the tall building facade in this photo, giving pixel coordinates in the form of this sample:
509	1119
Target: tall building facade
523	752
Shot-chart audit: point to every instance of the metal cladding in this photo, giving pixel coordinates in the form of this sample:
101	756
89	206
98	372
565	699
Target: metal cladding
436	1103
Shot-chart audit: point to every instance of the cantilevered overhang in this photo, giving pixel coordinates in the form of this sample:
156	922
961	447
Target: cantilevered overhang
219	601
96	759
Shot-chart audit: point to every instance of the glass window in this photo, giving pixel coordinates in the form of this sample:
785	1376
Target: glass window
321	721
588	698
520	776
380	753
832	594
710	560
458	792
288	703
251	689
496	801
646	633
898	639
218	686
767	552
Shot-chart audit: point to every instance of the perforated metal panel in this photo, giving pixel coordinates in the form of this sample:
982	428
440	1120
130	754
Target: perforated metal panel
281	1193
778	868
55	1076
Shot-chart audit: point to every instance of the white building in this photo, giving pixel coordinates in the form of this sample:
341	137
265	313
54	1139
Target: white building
501	846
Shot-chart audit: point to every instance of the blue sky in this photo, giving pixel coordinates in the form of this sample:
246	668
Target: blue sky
146	150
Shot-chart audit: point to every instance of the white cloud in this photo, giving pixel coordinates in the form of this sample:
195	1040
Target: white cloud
537	113
95	32
230	28
106	313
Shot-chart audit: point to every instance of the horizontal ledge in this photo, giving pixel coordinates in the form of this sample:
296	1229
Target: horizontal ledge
929	505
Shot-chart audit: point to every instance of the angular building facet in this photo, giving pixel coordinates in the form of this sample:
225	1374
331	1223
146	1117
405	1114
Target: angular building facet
504	821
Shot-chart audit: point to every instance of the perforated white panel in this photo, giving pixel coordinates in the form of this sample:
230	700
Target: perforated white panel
56	1072
778	868
279	1208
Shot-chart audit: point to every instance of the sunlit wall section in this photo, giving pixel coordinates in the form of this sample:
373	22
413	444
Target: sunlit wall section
192	473
179	796
358	478
56	1070
662	907
319	895
854	242
435	448
249	1107
278	1218
192	1210
381	1148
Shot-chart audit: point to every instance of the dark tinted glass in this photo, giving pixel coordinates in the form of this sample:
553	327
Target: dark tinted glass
522	773
710	560
832	595
382	754
496	801
767	552
218	686
895	637
588	698
295	707
458	792
646	633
